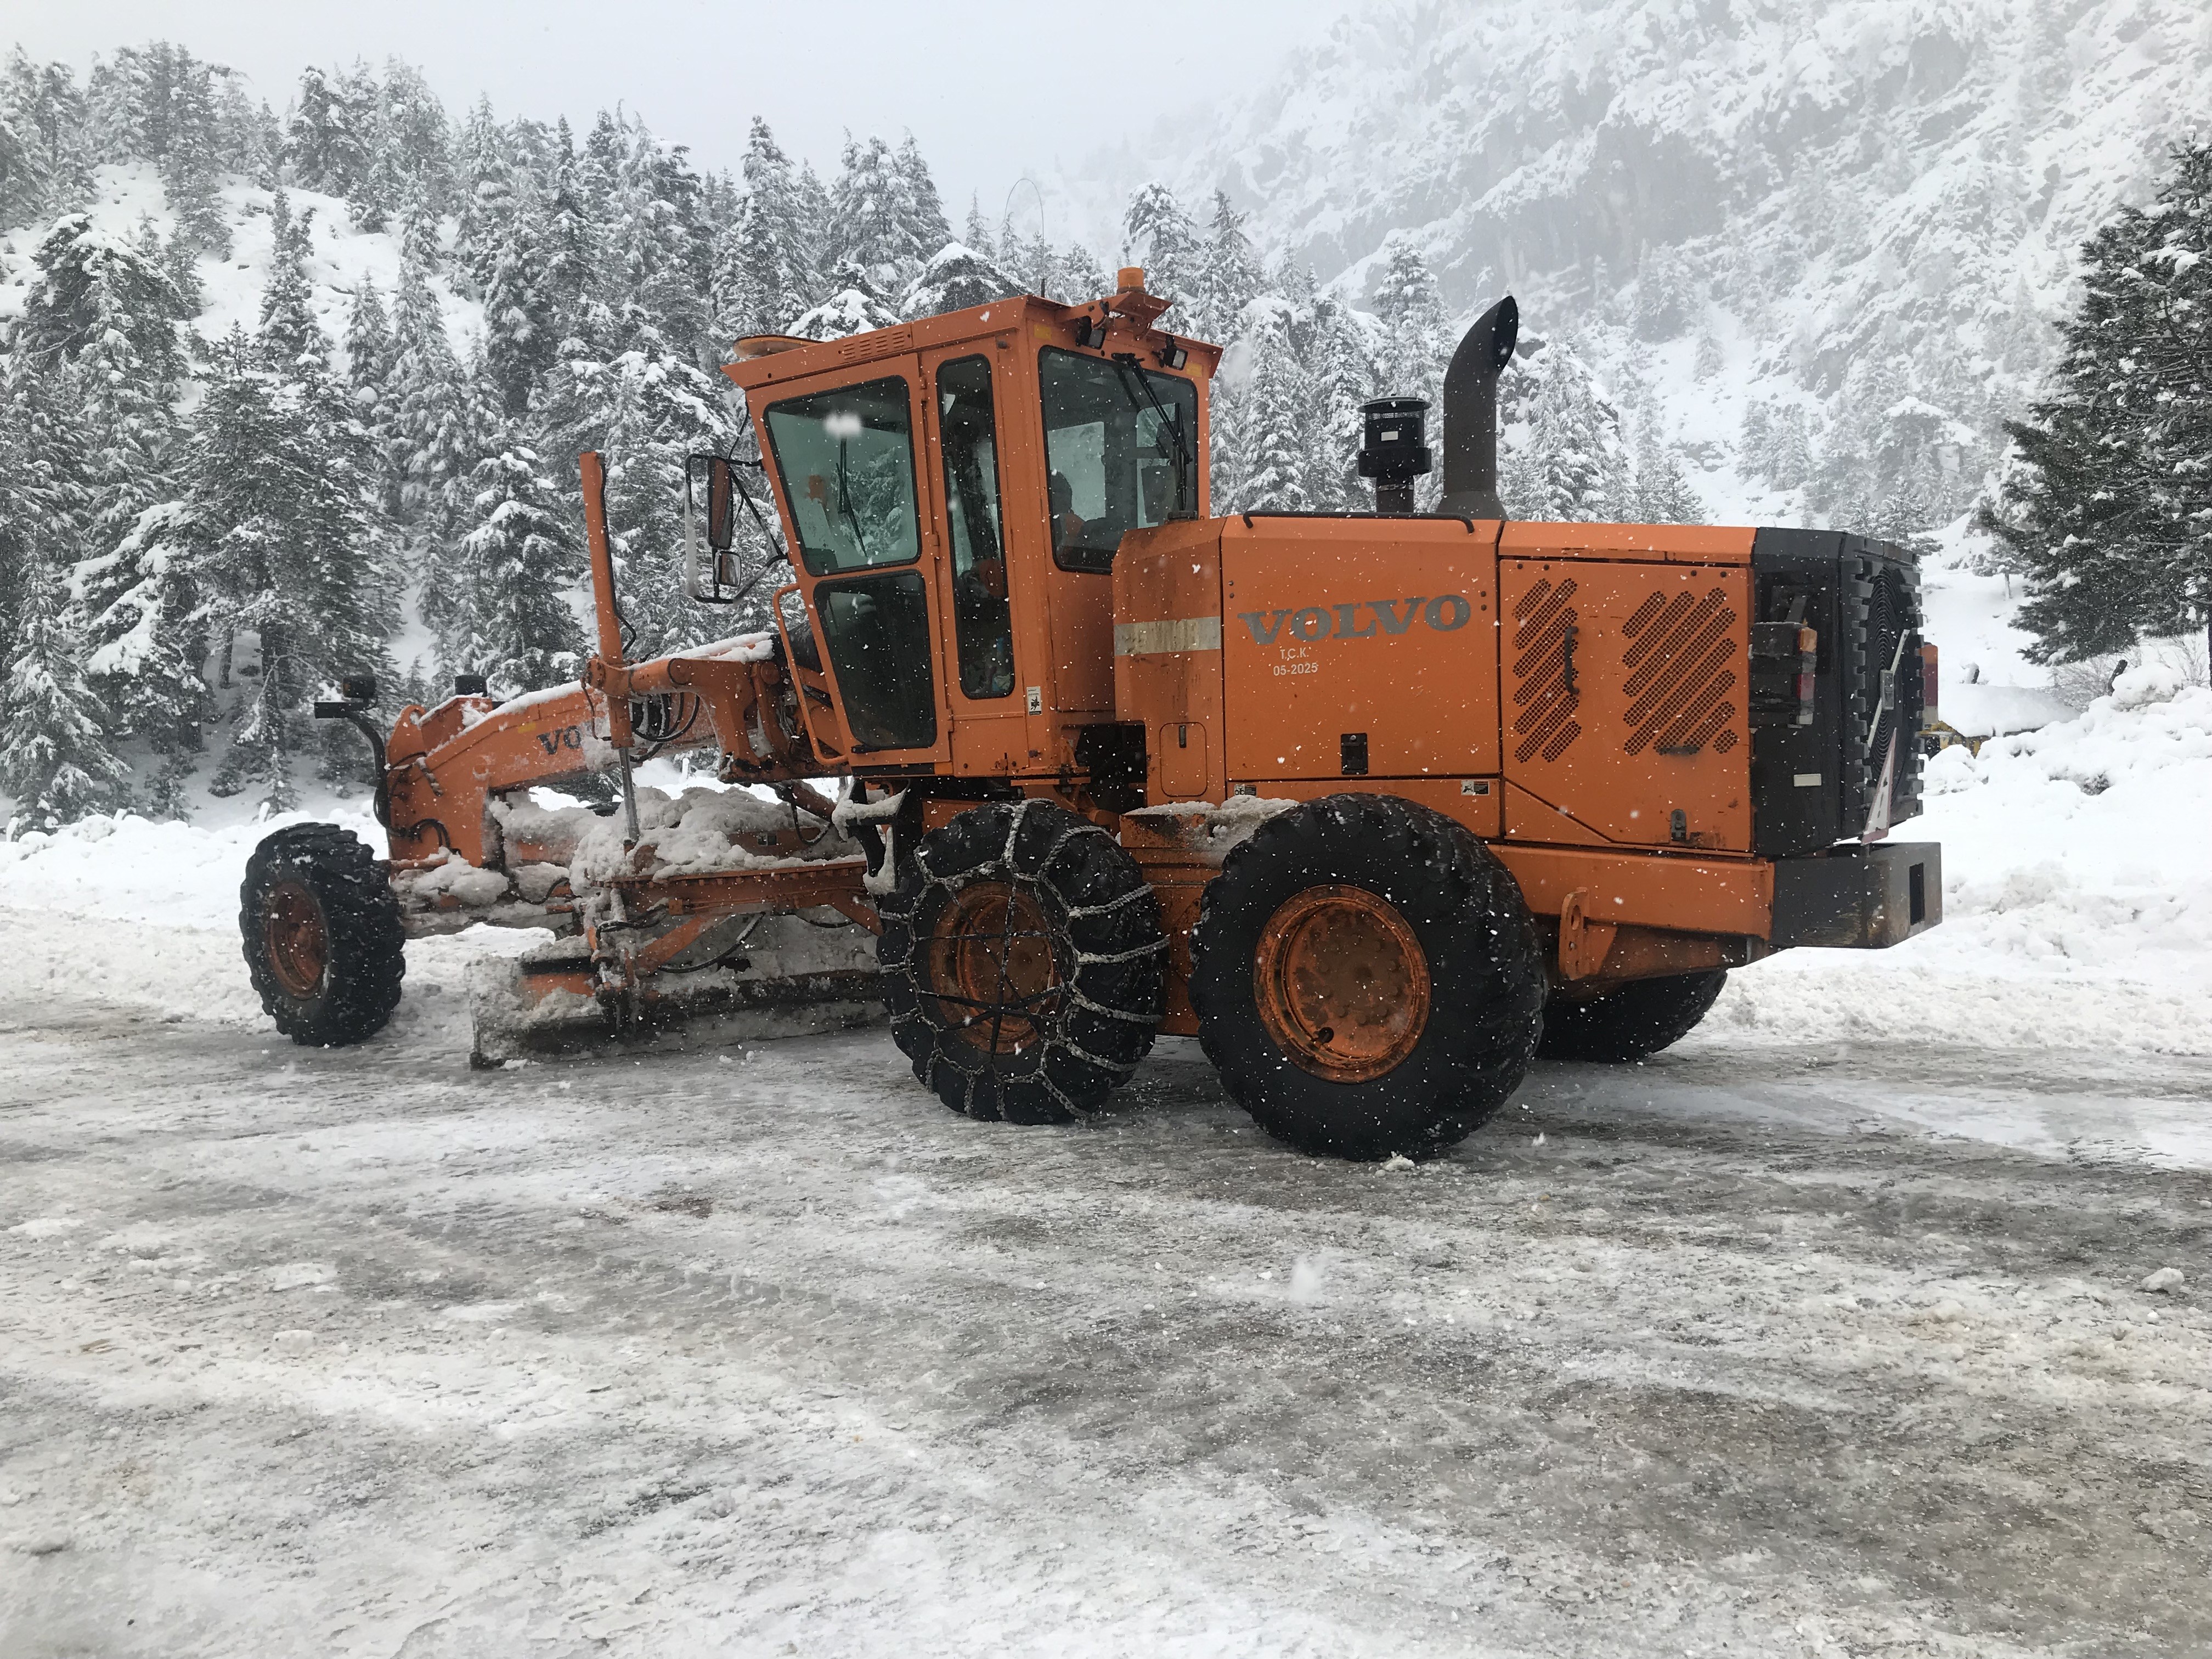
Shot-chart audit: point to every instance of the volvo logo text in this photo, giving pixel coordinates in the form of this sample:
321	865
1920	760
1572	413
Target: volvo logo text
1344	621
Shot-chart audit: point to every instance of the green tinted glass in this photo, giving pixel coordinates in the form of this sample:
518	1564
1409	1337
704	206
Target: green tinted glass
847	461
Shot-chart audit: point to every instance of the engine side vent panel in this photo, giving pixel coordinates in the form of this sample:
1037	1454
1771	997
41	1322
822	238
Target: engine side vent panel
1544	694
1680	668
1623	702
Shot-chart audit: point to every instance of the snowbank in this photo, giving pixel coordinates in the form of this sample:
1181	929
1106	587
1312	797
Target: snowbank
2077	897
140	915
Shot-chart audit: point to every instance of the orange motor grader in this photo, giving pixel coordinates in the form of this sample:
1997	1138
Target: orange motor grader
1047	759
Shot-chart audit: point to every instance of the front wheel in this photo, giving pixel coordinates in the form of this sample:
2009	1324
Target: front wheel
1023	959
323	938
1367	978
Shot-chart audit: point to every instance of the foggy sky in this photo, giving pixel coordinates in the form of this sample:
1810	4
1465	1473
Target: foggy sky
989	87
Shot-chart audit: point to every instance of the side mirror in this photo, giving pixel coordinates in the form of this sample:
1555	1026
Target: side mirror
721	504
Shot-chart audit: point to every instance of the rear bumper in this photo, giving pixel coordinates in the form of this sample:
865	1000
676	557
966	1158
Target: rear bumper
1858	898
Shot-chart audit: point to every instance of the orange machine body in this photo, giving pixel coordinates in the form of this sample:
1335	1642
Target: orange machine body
1578	695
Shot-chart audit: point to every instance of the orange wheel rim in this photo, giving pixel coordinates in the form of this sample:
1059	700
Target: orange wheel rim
299	942
991	965
1341	983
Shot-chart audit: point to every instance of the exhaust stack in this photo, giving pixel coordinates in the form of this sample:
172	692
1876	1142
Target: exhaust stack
1470	400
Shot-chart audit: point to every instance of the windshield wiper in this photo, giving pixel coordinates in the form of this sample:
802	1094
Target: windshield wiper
845	505
1126	362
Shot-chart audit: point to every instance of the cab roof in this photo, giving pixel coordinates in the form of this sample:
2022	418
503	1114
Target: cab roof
764	360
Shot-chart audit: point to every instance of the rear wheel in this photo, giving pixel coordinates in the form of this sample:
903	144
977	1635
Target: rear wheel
1023	957
1640	1019
1367	978
322	934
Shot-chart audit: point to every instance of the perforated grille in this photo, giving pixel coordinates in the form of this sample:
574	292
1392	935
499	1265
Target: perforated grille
881	342
1679	678
1545	696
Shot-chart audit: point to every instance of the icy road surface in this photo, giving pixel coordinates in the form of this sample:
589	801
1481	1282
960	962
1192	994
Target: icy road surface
359	1352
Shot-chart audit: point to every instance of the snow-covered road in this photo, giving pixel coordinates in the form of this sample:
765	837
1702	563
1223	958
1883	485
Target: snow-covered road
361	1352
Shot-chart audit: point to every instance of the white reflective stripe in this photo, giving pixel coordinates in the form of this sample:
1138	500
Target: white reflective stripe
1152	639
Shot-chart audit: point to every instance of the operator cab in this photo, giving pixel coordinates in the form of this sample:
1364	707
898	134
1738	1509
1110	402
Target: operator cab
954	491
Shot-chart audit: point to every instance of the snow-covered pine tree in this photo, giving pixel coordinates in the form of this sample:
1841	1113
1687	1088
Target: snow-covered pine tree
646	407
90	381
370	388
376	189
814	217
1789	449
47	167
140	653
1228	276
1077	277
22	186
756	273
1662	493
1852	477
870	223
1568	465
416	136
275	507
1276	430
956	278
665	249
89	281
1662	294
923	226
250	138
323	148
420	242
1160	238
289	330
976	233
191	166
54	758
1031	261
2106	502
1410	311
1343	377
572	241
853	307
480	181
42	447
522	558
433	438
519	341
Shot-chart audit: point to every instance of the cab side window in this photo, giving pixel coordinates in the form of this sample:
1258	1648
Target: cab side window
1120	445
982	621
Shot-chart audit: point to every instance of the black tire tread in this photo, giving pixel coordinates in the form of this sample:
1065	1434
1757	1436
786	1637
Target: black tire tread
1455	893
367	941
1093	888
1632	1022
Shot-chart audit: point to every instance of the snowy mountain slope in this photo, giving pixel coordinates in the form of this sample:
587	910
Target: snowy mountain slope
1925	157
344	258
1853	201
1865	214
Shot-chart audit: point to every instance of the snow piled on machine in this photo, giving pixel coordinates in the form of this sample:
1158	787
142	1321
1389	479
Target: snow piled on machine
699	832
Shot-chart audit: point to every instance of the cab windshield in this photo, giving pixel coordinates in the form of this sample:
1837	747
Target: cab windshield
846	457
1121	445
